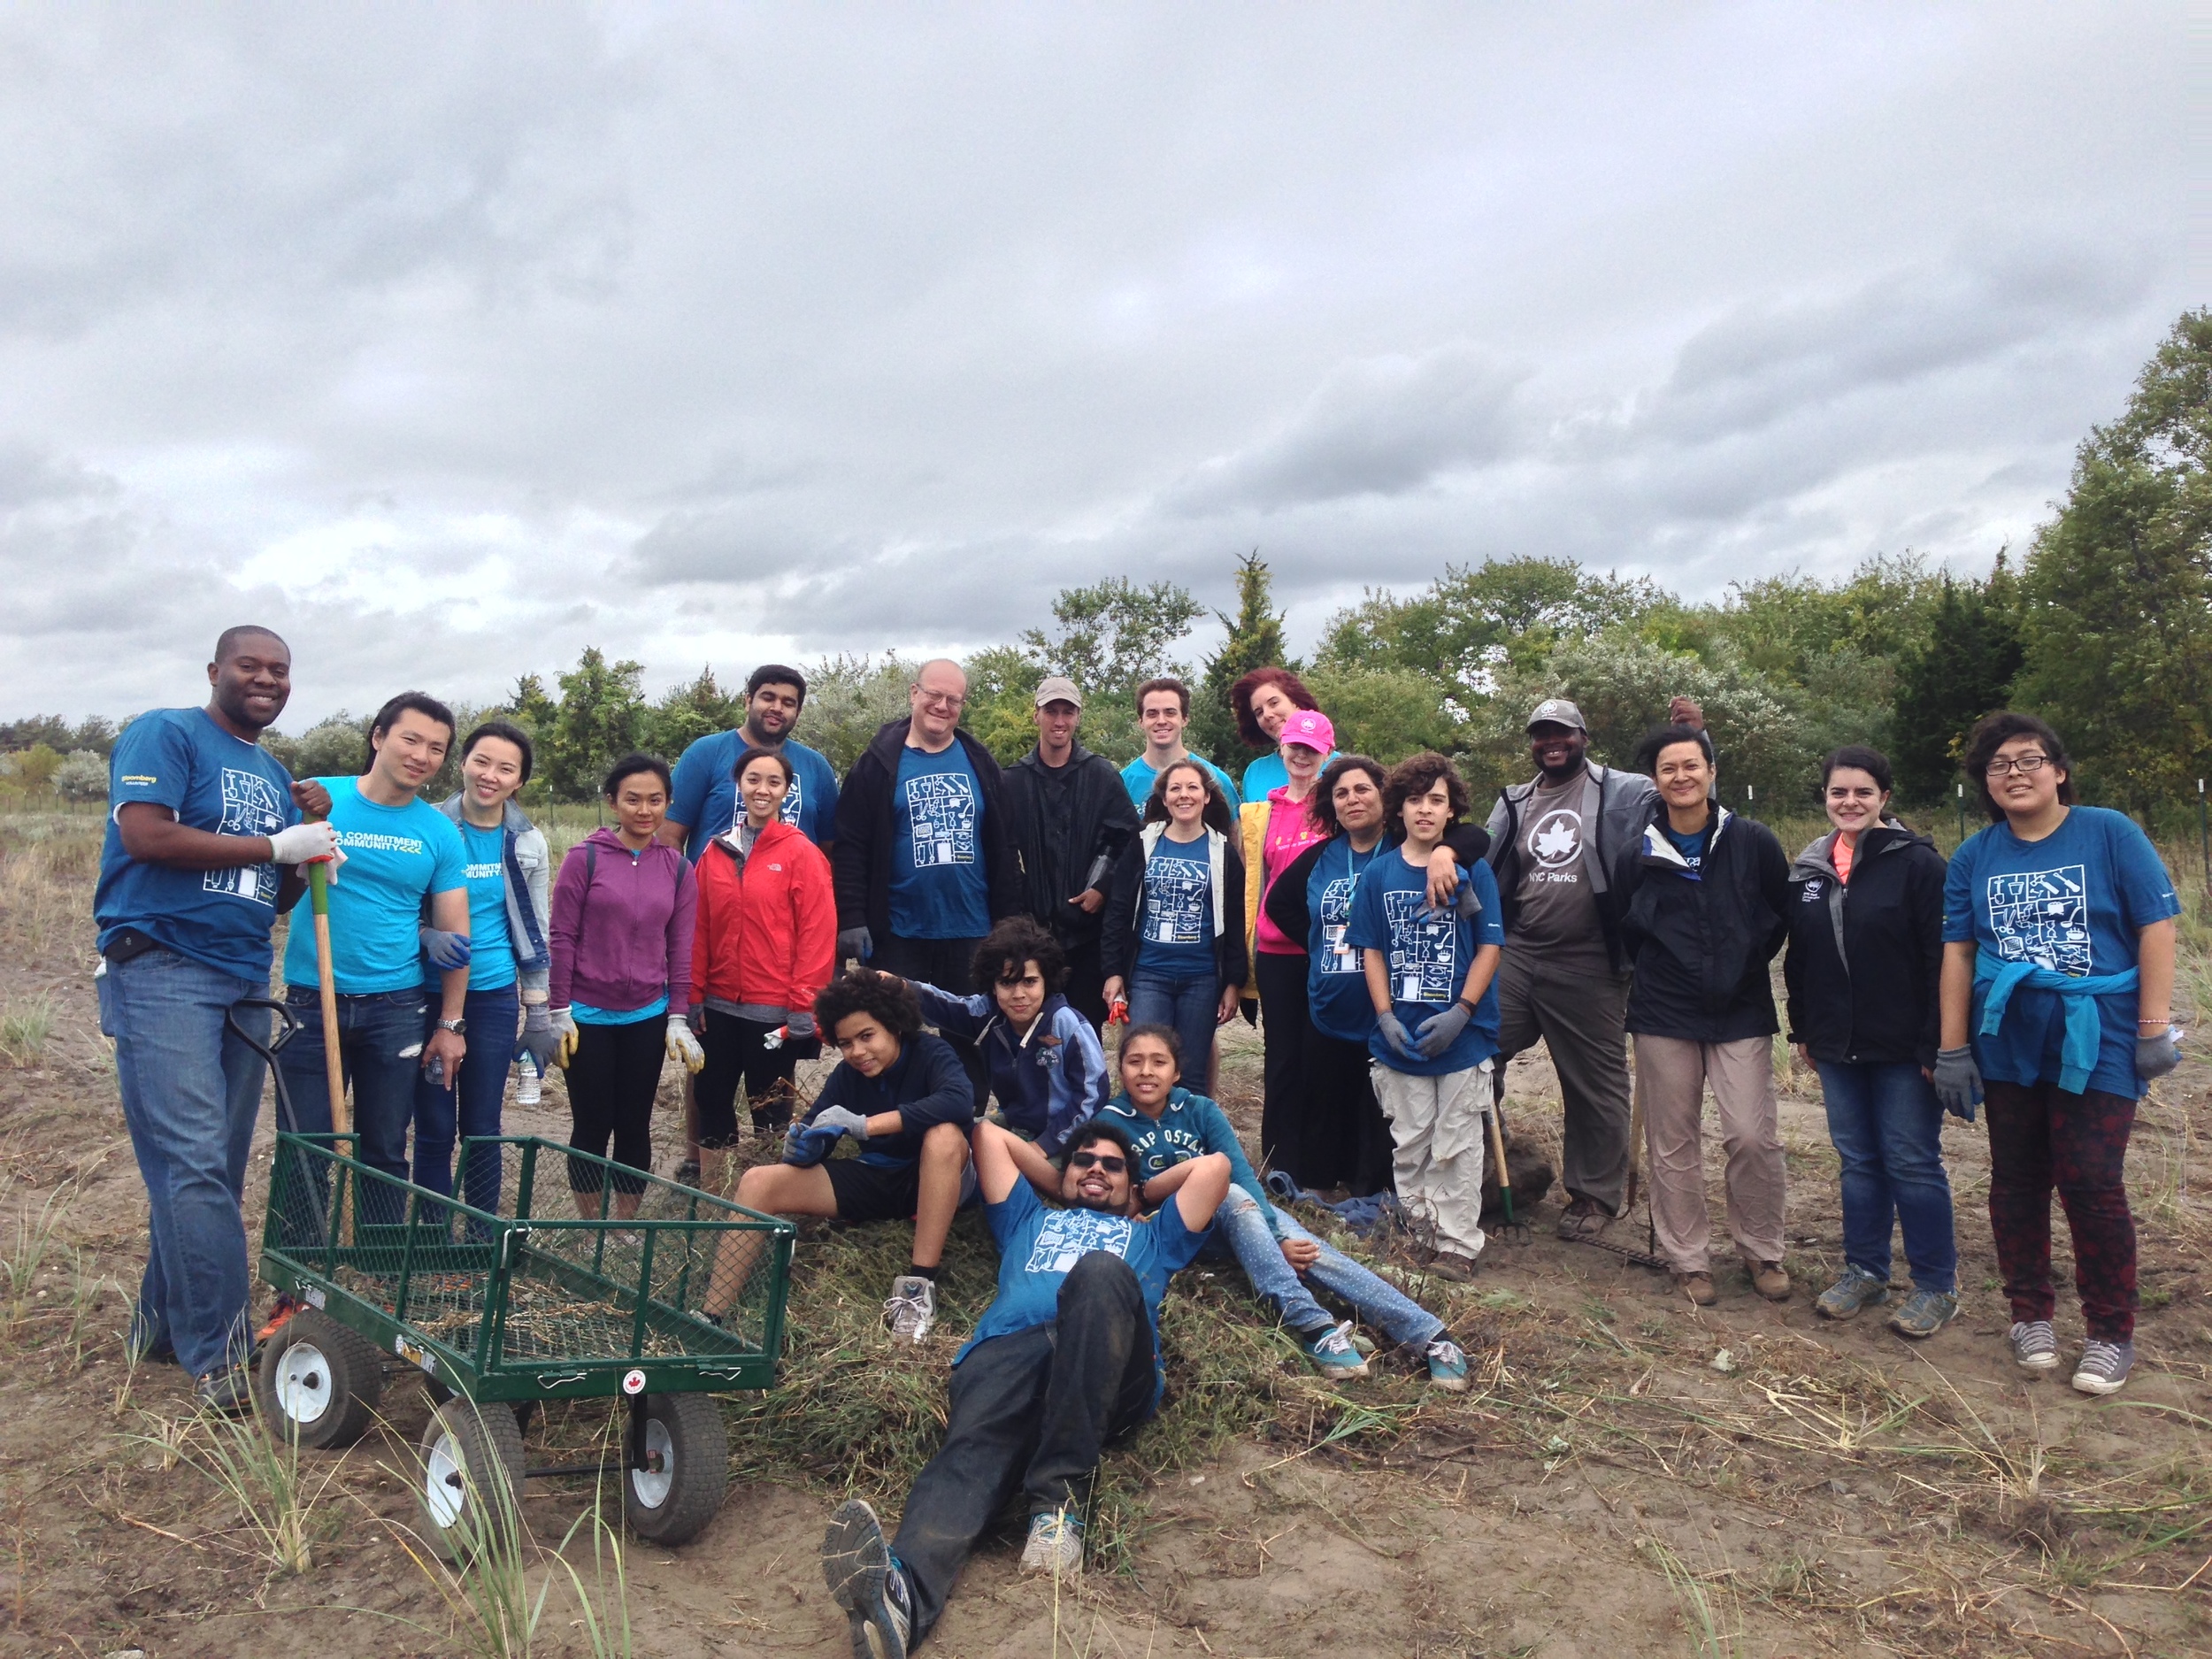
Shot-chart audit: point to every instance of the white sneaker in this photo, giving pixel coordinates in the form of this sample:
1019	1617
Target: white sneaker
1054	1546
911	1308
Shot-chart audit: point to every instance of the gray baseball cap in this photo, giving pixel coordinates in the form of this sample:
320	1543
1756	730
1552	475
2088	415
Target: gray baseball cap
1557	712
1058	689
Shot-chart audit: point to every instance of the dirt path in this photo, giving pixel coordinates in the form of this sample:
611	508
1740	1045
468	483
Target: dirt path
1626	1469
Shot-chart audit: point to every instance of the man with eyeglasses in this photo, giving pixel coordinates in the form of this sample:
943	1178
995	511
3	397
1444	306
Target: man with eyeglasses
922	863
1065	1358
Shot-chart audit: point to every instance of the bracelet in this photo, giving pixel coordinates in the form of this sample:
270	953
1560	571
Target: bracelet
1471	1009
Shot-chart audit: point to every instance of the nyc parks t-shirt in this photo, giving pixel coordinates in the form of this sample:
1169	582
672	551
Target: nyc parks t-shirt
1038	1247
2071	903
179	759
703	798
1429	953
939	888
396	856
1176	939
1555	906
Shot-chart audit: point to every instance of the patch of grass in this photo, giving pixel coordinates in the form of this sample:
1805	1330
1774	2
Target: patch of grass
1708	1613
261	1474
25	1028
29	1244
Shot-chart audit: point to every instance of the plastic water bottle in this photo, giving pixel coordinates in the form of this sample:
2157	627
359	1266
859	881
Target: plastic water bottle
528	1090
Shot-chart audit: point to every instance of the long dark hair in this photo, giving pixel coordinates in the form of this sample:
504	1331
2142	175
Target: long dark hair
1991	733
1245	690
1216	815
506	732
1321	805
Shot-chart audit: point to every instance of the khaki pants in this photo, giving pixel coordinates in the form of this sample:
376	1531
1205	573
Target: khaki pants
1672	1075
1436	1125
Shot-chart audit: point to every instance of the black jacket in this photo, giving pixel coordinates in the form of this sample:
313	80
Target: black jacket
1699	948
1866	956
1069	824
1284	900
1125	913
861	860
927	1086
1625	800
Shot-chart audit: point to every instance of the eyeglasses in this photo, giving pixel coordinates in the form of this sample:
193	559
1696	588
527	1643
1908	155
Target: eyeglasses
1098	1160
1999	766
940	699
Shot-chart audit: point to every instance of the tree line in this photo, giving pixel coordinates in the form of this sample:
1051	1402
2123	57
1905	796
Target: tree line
2104	626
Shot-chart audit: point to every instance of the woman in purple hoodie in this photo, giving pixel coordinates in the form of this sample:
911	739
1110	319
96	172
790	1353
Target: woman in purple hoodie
623	911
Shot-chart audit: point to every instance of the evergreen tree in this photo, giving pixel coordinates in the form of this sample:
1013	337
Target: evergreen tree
689	712
1255	640
1963	671
601	718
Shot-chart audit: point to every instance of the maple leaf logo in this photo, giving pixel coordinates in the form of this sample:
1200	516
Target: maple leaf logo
1556	840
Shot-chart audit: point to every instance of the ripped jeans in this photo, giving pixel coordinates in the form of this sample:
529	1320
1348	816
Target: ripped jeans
379	1045
1242	1226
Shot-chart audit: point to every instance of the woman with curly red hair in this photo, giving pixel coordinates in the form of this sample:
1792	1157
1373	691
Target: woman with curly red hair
1263	701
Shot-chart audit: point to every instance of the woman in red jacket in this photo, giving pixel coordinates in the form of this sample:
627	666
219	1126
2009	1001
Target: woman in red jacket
767	935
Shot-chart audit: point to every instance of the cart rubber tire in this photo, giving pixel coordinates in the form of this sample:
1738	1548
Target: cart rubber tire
671	1505
319	1380
468	1455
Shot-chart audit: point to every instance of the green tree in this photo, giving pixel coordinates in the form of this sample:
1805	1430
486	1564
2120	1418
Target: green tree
847	701
1115	635
1384	713
1254	639
1964	670
1002	694
82	777
2117	619
688	712
601	718
336	746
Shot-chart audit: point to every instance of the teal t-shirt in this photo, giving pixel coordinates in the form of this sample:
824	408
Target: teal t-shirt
1138	776
396	856
491	948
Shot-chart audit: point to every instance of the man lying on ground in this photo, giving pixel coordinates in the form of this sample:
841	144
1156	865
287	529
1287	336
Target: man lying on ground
1065	1357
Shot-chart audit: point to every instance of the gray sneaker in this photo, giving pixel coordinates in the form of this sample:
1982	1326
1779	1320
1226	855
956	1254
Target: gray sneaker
863	1581
2034	1346
1055	1544
1856	1289
2104	1367
911	1308
1924	1313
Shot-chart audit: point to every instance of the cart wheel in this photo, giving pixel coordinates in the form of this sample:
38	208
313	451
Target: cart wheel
319	1380
471	1478
688	1454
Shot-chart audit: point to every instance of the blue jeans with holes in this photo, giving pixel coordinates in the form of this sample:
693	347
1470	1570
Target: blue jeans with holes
470	1105
1243	1224
191	1090
1887	1127
1187	1004
381	1039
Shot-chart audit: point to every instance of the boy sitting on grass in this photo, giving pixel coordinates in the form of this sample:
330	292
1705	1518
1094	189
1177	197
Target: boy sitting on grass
903	1094
1048	1071
1065	1357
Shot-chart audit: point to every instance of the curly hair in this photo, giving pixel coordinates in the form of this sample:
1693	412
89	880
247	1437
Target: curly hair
1096	1129
1321	805
1013	944
1241	694
1418	775
1991	733
1216	814
864	991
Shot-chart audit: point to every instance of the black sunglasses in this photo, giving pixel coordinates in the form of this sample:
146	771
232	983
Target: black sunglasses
1105	1160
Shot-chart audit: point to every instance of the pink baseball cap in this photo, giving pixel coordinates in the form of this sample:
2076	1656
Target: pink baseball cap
1310	728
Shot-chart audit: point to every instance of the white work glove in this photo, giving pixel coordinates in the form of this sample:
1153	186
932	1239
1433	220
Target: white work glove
307	844
683	1045
841	1118
565	1037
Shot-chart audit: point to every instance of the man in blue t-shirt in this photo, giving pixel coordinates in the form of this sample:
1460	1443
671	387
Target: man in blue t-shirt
1164	711
1065	1357
703	801
400	851
202	849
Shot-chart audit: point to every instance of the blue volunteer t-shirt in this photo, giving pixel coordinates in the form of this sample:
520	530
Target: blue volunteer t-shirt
939	890
1692	846
1137	778
181	759
1038	1247
491	948
704	796
1429	953
1176	940
1336	984
2072	903
396	856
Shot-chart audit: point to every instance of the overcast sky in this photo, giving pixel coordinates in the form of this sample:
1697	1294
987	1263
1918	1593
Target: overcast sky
449	341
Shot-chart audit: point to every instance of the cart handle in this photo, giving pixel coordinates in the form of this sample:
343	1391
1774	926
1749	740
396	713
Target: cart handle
288	1021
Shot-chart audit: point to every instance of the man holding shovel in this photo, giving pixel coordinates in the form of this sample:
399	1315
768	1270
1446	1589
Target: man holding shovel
204	848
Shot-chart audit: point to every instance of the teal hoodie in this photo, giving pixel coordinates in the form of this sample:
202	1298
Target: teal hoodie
1189	1126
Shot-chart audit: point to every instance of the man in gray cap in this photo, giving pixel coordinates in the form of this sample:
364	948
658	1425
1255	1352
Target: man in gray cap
1553	841
1069	818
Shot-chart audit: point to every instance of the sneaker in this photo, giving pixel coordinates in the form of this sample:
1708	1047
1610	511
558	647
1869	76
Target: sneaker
230	1391
864	1581
687	1173
1448	1365
2034	1346
1586	1218
1331	1351
1054	1546
1698	1287
1452	1265
1924	1313
1856	1289
911	1308
1769	1279
2104	1367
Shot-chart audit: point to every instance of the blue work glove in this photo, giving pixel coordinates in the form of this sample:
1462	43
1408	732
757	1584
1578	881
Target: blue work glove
856	943
2154	1057
1439	1031
1958	1081
842	1120
805	1146
537	1039
447	951
1395	1034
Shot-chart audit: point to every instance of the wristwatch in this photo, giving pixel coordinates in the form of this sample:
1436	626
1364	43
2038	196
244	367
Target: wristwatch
458	1027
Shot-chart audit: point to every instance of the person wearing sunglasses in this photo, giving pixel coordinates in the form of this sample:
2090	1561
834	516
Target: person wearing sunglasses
1065	1358
2057	992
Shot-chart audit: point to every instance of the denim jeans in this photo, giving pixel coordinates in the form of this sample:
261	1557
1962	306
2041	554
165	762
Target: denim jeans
1242	1224
381	1039
1887	1127
471	1104
1189	1005
191	1090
